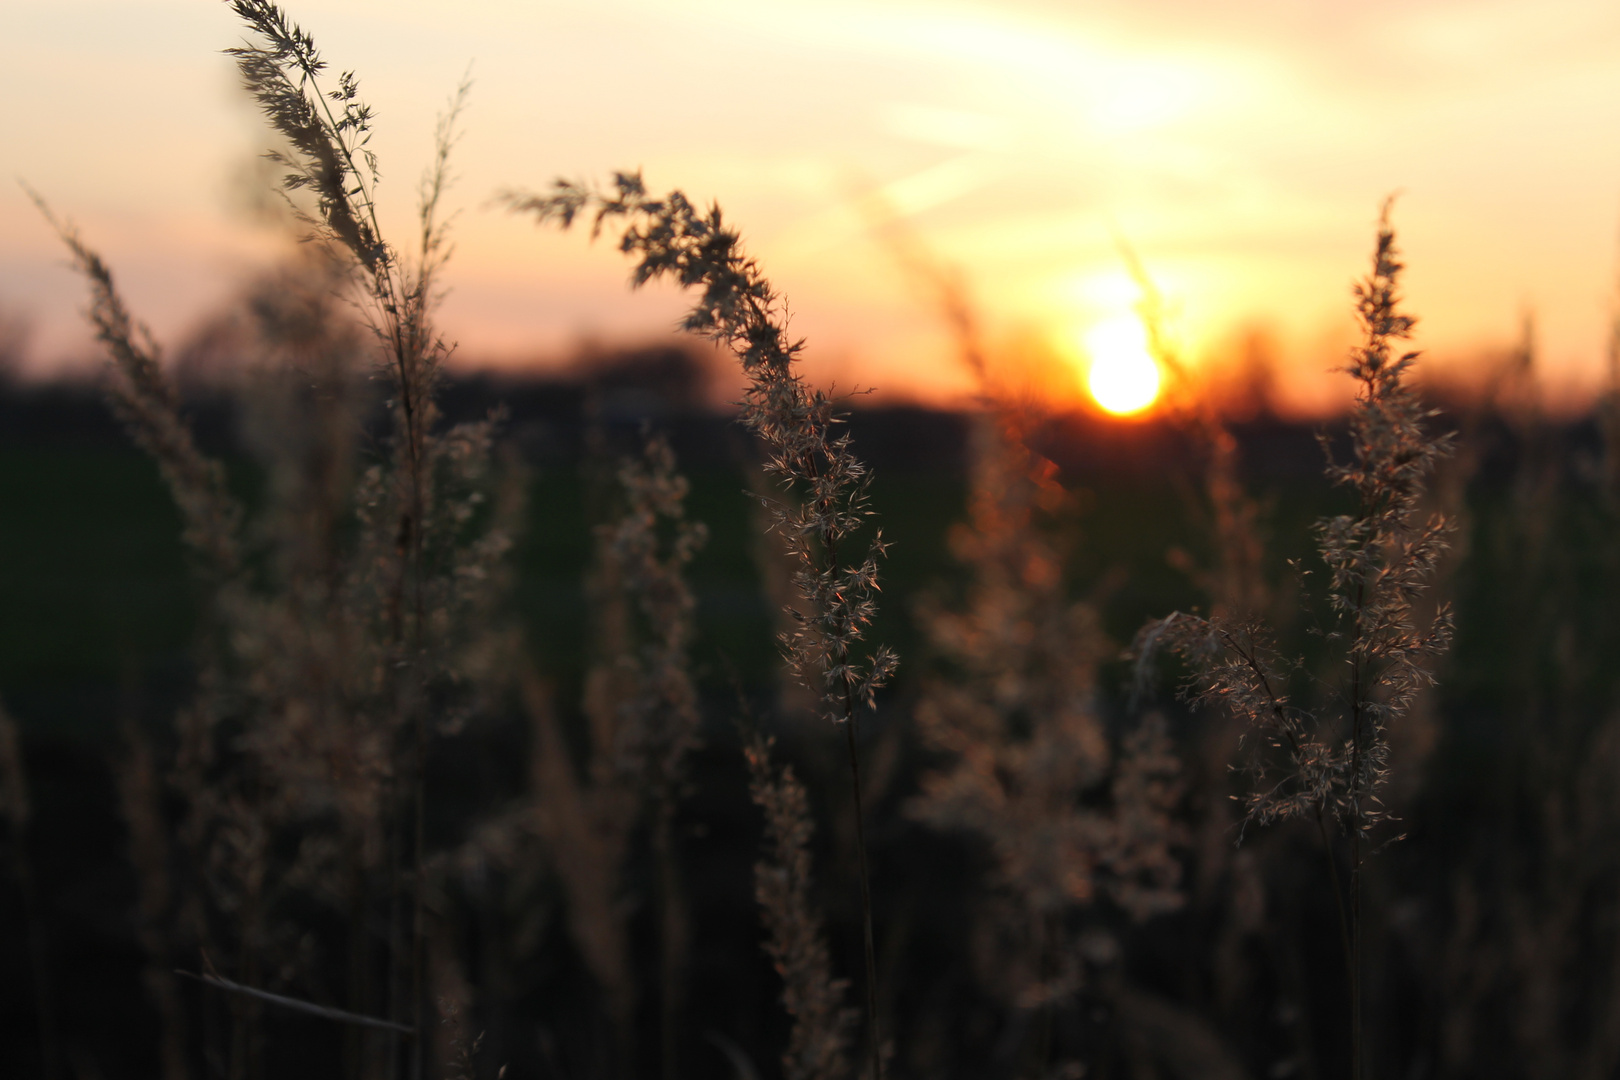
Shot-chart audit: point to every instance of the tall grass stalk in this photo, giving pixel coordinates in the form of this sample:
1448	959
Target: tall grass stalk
1380	561
642	715
322	662
807	453
819	1043
1027	762
142	396
329	130
648	548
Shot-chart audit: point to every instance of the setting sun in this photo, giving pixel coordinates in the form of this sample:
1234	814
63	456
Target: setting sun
1120	370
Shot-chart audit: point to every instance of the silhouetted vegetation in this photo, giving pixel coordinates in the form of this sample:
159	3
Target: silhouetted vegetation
368	718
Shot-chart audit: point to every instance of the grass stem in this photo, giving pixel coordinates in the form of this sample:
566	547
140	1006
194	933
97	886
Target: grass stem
866	901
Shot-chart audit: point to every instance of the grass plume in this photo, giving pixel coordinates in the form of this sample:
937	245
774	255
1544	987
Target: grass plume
1380	560
350	609
1026	762
807	453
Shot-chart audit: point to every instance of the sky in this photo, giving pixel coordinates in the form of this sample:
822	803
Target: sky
1242	149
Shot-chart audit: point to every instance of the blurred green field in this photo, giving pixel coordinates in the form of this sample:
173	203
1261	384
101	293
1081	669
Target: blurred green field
100	607
1502	780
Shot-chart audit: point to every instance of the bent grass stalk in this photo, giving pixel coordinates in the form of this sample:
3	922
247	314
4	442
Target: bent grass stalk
806	453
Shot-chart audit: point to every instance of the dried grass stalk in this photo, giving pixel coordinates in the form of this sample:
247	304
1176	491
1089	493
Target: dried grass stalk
807	452
1027	765
1380	563
348	625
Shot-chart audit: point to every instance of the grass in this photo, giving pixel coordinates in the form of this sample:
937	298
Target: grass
1326	756
427	758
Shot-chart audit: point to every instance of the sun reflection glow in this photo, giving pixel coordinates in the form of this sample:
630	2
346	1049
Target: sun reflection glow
1121	372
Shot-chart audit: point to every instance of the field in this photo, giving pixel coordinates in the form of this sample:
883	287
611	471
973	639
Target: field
366	716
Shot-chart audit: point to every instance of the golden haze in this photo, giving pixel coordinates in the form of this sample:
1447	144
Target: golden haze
1242	148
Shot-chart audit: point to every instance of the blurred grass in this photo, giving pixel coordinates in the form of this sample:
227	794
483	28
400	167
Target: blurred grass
98	611
99	605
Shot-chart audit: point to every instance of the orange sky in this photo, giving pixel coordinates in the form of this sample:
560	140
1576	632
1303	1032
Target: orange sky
1242	148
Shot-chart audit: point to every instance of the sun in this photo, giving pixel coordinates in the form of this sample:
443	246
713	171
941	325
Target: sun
1121	373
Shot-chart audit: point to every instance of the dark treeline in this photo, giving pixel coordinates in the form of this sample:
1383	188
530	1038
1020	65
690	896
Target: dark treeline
1491	927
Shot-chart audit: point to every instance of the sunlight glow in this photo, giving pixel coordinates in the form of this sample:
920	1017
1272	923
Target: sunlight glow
1121	374
1240	147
